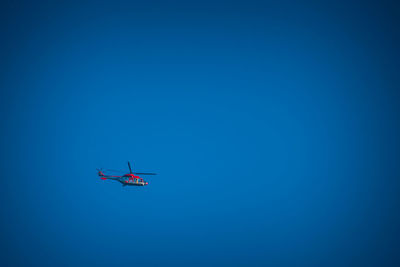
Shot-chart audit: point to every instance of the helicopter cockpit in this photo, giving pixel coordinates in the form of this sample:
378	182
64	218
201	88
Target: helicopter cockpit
133	180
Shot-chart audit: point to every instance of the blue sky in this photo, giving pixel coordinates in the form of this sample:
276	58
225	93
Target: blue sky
273	127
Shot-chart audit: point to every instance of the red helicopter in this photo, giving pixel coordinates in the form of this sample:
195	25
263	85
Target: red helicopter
127	179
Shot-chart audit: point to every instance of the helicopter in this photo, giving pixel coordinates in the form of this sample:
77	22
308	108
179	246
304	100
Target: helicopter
127	179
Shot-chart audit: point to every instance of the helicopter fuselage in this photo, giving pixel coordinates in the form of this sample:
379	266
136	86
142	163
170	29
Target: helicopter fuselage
127	179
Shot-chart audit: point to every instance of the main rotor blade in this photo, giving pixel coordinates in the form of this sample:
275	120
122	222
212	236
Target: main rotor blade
130	170
109	170
145	173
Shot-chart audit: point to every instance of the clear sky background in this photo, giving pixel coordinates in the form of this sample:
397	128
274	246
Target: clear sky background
274	127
